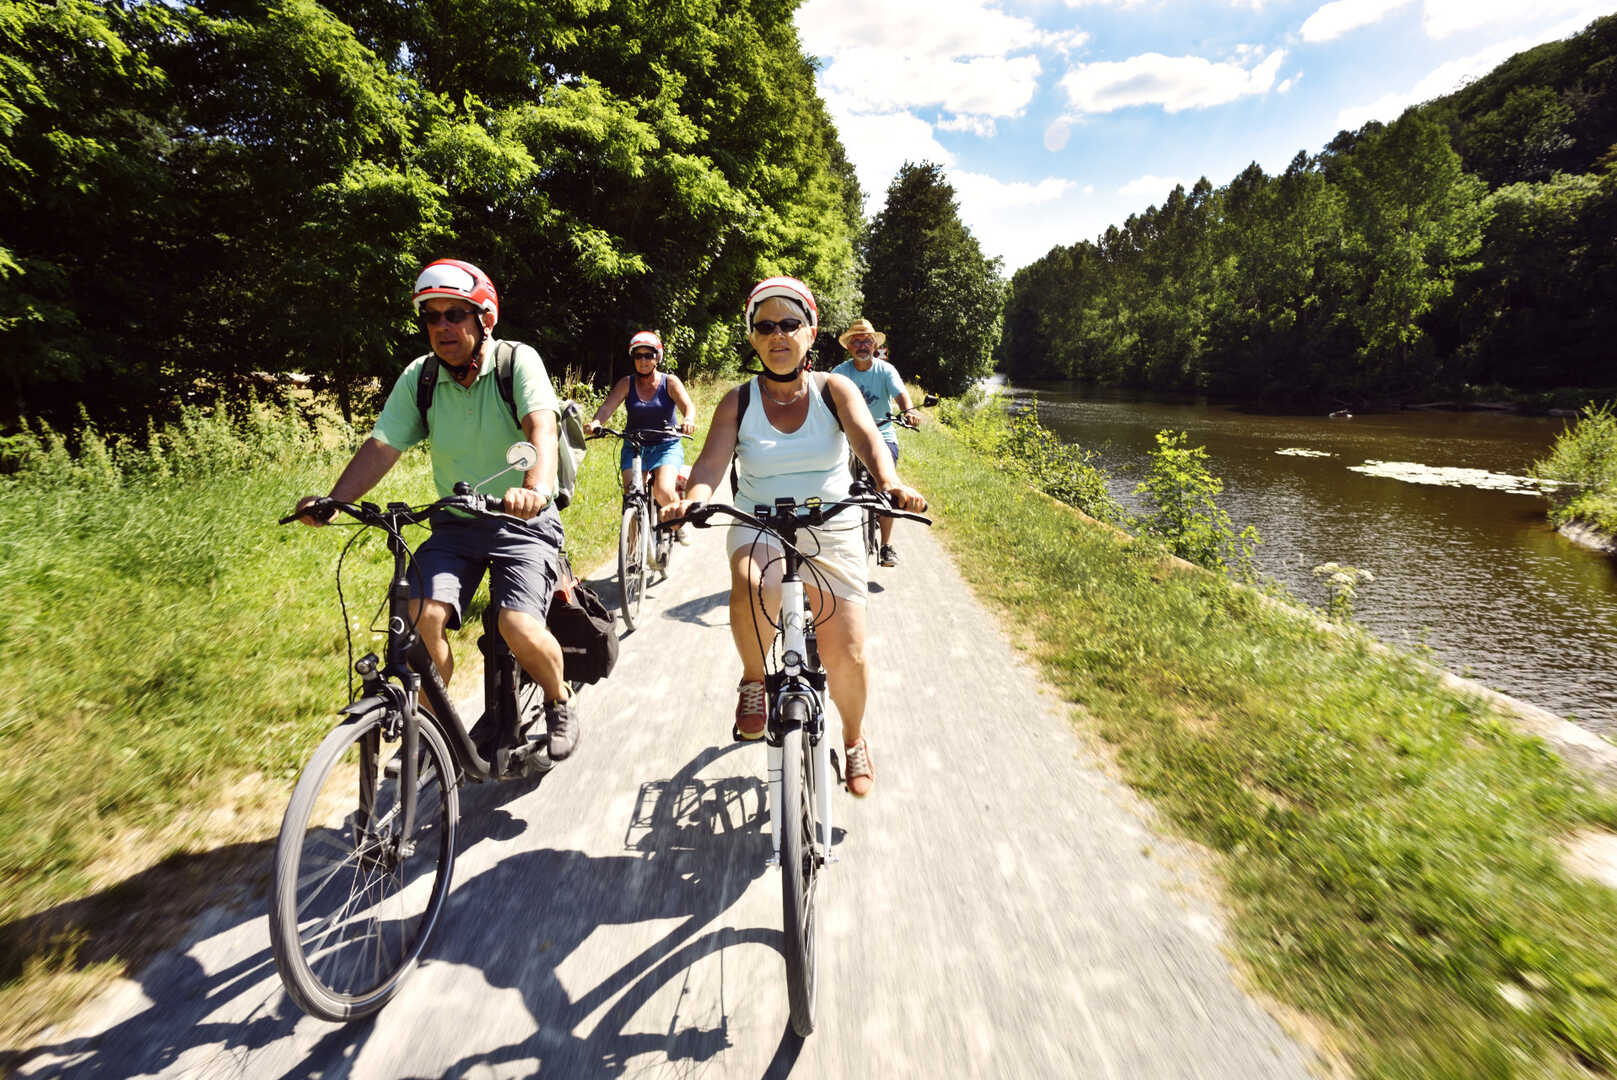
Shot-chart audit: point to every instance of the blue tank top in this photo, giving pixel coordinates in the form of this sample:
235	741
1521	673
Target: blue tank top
654	415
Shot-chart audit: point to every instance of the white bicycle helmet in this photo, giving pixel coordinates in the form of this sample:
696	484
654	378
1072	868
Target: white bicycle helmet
459	280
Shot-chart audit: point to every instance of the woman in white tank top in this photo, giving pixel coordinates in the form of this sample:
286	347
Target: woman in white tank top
789	444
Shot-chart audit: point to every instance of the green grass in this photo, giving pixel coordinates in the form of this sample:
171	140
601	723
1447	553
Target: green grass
1390	849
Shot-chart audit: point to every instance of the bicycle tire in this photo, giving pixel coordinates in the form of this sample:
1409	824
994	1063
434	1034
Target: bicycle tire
799	869
338	848
872	534
631	565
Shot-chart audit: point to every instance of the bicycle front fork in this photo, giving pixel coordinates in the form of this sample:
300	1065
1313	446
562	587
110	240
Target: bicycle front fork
820	782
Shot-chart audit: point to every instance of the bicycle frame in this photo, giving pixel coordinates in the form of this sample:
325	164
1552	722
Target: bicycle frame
801	679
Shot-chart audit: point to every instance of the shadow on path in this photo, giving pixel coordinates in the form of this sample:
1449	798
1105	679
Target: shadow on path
692	848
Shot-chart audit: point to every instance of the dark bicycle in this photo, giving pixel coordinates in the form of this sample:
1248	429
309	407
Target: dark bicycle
863	483
643	545
800	756
367	845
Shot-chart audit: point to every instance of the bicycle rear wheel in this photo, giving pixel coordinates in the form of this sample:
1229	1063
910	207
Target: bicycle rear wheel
354	901
799	868
631	564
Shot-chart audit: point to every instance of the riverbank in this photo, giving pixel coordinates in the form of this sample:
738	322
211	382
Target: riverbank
1586	535
1427	928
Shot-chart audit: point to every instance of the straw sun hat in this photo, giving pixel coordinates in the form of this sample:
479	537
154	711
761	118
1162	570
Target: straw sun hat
862	326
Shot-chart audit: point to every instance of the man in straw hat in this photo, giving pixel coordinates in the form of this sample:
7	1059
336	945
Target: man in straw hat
880	384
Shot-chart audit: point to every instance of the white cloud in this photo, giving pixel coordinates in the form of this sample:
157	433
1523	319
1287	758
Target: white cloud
1449	77
1056	135
1174	82
1152	189
1065	42
1019	222
981	126
1444	17
872	80
906	54
1338	17
879	143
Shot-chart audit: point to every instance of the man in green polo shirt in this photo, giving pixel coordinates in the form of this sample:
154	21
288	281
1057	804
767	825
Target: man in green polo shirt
472	426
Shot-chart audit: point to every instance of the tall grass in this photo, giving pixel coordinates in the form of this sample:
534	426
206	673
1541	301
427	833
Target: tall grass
1583	463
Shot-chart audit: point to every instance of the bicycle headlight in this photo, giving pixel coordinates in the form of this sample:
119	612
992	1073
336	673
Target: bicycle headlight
791	660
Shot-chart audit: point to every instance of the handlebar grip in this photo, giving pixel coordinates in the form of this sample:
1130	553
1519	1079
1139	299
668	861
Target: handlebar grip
321	510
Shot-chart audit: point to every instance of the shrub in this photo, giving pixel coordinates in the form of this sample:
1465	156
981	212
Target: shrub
1188	518
1583	468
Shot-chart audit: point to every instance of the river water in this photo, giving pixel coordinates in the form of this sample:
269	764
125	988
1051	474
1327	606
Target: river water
1464	560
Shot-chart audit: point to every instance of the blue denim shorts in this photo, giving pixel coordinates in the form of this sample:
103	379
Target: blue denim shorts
522	558
654	456
892	445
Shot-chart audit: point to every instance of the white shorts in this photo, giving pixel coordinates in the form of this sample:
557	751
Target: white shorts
836	555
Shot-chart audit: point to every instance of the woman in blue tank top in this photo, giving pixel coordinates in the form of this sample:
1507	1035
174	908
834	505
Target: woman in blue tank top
650	398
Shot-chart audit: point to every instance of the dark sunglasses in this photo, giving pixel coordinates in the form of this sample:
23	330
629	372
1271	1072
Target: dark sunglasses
643	355
454	316
767	327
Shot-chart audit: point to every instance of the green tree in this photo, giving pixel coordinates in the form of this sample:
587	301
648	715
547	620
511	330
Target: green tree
929	285
1414	222
86	208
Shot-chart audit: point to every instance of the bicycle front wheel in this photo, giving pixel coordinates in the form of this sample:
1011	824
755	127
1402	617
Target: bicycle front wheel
799	868
354	899
872	533
631	565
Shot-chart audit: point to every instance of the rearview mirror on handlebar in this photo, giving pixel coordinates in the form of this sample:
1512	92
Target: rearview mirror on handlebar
522	455
929	400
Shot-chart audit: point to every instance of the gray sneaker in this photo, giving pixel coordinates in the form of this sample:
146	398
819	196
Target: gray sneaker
562	727
888	556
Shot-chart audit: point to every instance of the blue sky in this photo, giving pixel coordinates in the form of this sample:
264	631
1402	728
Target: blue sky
1056	118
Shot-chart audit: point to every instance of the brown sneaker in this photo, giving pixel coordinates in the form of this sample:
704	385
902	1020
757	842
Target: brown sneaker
752	711
857	770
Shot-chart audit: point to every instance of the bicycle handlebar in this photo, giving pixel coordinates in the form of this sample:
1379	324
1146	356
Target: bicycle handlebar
640	437
793	515
898	418
397	514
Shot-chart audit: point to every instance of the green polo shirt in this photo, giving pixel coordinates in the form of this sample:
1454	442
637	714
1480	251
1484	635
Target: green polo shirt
471	426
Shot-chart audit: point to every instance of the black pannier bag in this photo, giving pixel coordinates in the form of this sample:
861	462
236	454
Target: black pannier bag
586	630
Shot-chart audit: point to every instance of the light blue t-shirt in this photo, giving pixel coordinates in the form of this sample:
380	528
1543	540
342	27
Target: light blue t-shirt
880	385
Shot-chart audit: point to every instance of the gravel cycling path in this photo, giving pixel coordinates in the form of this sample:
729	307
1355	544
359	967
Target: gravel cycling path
1002	907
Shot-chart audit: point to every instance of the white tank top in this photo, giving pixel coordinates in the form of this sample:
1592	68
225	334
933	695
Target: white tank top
813	460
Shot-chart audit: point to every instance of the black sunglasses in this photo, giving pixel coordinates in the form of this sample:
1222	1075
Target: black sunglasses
454	316
767	327
643	355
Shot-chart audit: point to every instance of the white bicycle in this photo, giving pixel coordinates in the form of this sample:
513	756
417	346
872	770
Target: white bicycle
800	756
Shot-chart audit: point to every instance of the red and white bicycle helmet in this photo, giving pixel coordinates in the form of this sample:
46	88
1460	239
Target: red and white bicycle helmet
647	339
787	288
459	280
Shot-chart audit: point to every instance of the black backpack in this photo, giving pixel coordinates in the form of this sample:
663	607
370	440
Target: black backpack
585	629
744	398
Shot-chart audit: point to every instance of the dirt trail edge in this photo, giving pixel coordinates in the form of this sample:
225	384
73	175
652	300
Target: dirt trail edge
1001	906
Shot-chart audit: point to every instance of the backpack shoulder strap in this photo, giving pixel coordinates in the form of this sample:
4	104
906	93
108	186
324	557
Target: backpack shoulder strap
743	396
825	396
425	384
505	376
